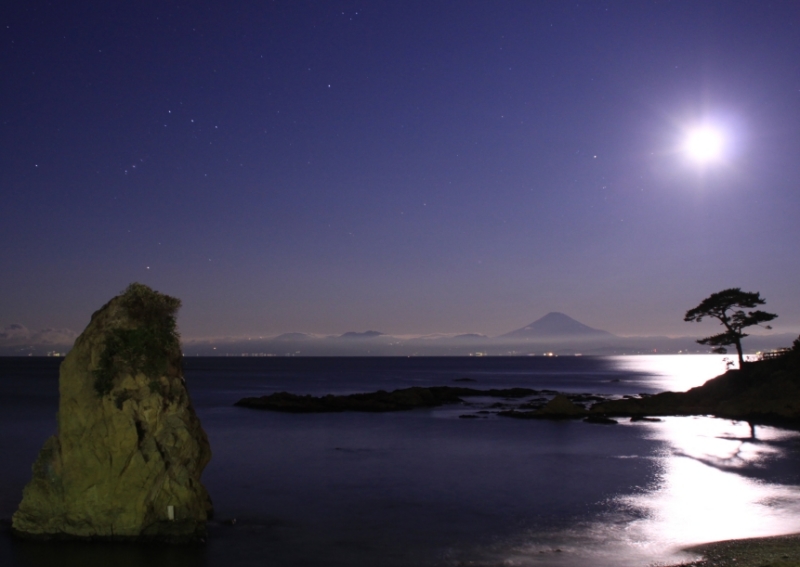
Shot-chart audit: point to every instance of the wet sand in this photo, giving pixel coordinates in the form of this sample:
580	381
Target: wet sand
778	551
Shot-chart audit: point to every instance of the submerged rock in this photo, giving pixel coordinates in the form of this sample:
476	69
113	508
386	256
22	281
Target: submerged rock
560	407
129	451
601	420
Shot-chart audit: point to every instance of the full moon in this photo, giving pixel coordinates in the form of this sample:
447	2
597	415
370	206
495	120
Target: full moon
704	144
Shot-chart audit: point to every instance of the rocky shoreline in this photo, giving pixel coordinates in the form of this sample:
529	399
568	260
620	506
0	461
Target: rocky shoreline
763	392
777	551
382	401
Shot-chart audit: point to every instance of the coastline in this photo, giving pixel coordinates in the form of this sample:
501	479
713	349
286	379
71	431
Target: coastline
773	551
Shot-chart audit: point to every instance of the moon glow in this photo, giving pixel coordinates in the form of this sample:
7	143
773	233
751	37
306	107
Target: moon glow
704	144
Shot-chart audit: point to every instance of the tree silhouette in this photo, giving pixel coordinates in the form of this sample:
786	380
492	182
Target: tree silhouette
727	306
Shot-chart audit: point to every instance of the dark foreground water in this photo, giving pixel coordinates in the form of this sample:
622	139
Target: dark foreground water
424	487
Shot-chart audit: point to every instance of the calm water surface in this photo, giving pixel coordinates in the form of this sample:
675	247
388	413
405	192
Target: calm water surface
426	488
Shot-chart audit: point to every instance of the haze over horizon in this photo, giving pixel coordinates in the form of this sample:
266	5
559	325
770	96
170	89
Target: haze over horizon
411	168
552	334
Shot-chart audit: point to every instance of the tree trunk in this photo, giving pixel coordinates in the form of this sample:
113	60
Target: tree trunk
738	344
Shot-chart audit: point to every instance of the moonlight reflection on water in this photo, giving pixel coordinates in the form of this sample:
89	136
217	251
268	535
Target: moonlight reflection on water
674	373
709	489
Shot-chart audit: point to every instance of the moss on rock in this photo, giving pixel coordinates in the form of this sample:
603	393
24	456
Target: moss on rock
147	346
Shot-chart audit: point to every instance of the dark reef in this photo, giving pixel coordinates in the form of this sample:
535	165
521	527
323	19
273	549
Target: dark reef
380	401
767	391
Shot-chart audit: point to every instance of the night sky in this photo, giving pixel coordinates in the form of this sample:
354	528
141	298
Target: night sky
409	167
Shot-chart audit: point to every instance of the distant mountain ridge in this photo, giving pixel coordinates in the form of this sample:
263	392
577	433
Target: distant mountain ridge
360	335
555	333
293	337
556	325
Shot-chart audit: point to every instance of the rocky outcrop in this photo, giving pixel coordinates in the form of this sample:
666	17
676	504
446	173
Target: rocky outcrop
126	460
767	391
380	401
560	407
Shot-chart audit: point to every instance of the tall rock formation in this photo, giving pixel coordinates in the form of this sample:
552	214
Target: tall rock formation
126	460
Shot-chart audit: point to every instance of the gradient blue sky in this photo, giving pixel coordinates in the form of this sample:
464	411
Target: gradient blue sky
410	167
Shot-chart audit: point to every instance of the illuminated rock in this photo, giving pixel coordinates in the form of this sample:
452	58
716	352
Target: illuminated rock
126	460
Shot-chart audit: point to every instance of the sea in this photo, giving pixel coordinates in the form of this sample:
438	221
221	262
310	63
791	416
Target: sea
428	487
